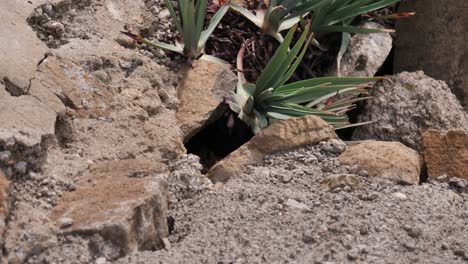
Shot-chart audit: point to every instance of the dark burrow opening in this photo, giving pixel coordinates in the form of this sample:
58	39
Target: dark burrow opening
216	140
385	70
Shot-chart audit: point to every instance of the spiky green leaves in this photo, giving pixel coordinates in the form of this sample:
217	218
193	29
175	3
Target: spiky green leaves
279	15
336	15
270	98
189	22
326	15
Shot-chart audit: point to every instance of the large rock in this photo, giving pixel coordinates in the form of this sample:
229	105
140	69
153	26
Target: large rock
446	153
434	40
281	135
406	106
20	50
26	127
29	233
201	92
385	160
124	202
366	53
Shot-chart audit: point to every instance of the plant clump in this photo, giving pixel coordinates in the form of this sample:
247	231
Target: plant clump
273	85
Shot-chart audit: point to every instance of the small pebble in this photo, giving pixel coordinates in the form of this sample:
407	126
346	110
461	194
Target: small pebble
65	222
101	260
400	196
353	254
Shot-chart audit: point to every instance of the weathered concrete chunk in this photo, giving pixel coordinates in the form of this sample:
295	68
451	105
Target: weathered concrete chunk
281	135
201	91
20	51
123	202
365	55
446	153
406	107
26	125
385	160
63	78
28	233
434	40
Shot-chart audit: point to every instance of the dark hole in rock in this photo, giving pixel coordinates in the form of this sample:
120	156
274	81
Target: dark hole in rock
423	177
385	69
216	140
63	131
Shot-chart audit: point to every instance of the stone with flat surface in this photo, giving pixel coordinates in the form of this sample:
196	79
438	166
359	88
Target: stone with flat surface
122	201
384	160
446	153
206	82
20	50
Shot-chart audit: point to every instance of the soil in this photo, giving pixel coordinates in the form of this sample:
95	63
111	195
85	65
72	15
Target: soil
276	212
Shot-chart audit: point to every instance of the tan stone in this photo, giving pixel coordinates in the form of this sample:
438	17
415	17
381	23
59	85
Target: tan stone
123	201
385	160
200	92
281	135
434	40
82	91
25	119
446	153
20	50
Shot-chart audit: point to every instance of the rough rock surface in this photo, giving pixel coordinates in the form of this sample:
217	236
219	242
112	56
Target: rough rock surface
124	202
206	82
101	102
446	153
281	135
434	40
407	106
365	55
20	48
259	217
385	160
27	127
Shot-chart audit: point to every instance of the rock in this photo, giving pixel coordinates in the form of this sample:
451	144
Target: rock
122	213
365	55
335	181
28	234
65	222
294	204
102	76
66	80
20	47
100	260
281	135
201	92
335	146
446	153
399	195
434	40
4	205
186	179
164	14
406	107
385	160
27	127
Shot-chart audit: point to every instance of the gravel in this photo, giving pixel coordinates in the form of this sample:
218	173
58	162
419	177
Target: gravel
261	218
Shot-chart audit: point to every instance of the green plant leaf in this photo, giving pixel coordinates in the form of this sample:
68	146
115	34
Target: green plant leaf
174	17
162	45
212	26
257	20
